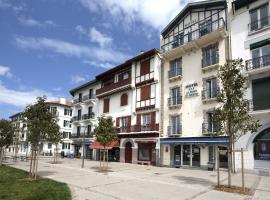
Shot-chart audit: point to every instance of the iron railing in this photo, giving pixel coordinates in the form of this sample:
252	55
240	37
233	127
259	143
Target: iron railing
258	62
88	116
174	101
196	34
259	24
210	93
210	128
174	129
88	97
138	128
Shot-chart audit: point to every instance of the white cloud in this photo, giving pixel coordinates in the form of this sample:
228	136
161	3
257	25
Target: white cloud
95	35
98	37
70	49
32	22
77	79
153	13
105	65
21	98
7	5
5	71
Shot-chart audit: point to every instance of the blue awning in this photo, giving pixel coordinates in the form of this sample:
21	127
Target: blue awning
222	140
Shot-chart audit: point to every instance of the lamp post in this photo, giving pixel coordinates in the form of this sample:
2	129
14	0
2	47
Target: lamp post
83	147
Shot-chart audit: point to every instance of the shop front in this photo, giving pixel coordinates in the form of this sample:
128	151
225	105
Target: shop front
193	152
112	148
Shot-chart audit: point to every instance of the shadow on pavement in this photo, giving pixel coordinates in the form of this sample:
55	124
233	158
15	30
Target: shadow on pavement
193	180
45	173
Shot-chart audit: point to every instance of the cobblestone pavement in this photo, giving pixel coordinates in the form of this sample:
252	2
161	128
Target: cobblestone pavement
129	181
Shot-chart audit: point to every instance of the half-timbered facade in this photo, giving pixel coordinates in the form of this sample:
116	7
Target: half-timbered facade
194	46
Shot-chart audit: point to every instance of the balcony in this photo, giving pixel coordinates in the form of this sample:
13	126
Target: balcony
88	116
114	87
174	102
138	128
210	95
210	63
258	65
212	31
175	130
77	101
81	135
75	119
258	25
88	98
175	74
146	104
209	128
145	78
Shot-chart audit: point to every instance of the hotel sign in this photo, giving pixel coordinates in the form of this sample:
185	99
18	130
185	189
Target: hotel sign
192	89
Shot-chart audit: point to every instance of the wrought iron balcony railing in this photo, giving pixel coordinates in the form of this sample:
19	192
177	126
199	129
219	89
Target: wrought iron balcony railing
182	39
175	72
174	129
81	135
258	62
88	116
138	128
175	101
259	24
210	93
88	97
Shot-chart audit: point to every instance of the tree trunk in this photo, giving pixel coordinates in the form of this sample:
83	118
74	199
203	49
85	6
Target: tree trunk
233	155
36	170
230	162
31	163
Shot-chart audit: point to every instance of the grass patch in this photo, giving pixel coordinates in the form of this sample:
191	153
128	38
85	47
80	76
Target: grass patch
15	185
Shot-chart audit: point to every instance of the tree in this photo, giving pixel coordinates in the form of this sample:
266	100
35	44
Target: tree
105	133
55	137
41	125
232	115
6	136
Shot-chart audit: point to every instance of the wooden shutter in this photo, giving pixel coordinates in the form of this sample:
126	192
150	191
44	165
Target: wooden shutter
145	92
124	99
129	120
106	105
145	67
153	119
138	119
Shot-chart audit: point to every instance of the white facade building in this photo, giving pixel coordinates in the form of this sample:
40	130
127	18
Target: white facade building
250	40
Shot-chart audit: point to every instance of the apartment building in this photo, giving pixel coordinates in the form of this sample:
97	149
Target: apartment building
250	40
129	94
194	45
62	108
84	120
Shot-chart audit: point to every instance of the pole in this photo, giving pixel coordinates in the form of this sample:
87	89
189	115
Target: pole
83	147
242	163
217	160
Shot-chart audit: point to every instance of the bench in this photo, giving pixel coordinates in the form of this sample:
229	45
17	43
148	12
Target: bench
143	162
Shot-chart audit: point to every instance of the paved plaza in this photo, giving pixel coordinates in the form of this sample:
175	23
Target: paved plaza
129	181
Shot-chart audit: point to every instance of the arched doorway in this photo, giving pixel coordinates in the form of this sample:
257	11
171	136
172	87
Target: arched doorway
262	145
128	153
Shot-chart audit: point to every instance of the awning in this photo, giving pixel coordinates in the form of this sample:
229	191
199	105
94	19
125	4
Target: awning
97	145
222	140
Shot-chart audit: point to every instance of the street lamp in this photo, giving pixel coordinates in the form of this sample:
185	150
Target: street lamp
83	146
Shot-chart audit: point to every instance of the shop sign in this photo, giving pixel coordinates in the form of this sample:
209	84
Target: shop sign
192	89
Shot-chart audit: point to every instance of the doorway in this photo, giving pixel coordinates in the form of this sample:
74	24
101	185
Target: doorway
186	154
128	153
177	156
196	155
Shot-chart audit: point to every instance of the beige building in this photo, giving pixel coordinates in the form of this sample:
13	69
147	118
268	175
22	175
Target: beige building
194	45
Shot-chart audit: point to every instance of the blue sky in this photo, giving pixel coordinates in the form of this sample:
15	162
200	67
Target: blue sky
49	47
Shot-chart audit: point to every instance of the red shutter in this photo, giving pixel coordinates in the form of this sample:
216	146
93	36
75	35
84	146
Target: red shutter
145	92
153	120
117	121
145	67
106	105
138	119
129	120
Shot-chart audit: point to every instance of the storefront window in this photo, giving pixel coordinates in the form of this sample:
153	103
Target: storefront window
143	152
211	153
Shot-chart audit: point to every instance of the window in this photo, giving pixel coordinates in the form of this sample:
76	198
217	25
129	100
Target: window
261	94
108	82
79	117
211	88
124	122
91	94
53	110
89	129
125	75
211	153
175	96
67	112
175	67
178	40
175	123
67	123
66	134
146	119
143	152
49	145
260	56
78	130
205	27
212	126
106	105
259	18
210	55
80	97
124	99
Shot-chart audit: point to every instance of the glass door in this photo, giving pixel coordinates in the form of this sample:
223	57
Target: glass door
196	155
186	154
177	155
